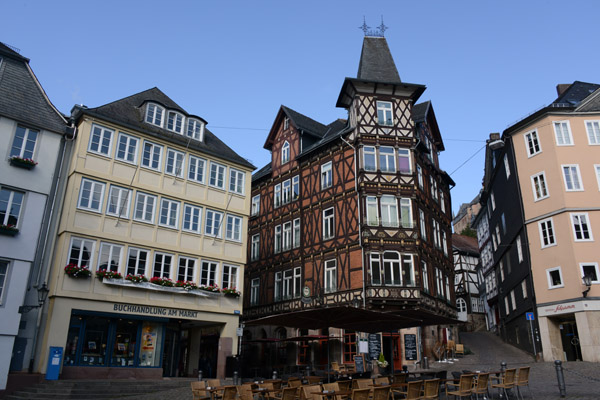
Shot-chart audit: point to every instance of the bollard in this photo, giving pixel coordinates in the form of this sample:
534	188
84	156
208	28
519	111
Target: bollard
503	366
200	375
274	375
425	363
561	378
235	378
307	370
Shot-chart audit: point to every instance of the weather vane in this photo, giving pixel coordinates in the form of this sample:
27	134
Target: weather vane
380	31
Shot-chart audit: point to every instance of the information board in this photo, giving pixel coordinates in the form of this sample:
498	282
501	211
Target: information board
374	346
359	364
410	347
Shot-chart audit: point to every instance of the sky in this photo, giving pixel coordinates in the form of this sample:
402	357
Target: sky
486	64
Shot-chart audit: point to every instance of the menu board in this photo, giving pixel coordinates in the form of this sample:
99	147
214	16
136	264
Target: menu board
374	346
359	364
410	347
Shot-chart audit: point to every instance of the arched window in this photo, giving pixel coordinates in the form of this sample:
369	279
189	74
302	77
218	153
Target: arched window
285	152
461	304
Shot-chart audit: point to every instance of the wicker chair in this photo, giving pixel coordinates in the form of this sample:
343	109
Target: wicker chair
309	392
413	390
459	349
507	382
523	380
360	394
464	388
198	390
431	389
245	391
481	385
229	393
381	393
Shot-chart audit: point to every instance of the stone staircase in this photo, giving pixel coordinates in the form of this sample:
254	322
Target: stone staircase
96	389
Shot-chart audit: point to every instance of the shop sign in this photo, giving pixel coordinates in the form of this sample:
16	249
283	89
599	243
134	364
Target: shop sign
560	309
153	310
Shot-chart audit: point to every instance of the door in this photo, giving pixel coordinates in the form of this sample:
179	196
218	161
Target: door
171	353
570	340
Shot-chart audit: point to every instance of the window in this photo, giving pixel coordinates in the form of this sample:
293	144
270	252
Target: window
110	257
288	287
442	202
196	169
404	165
597	169
538	183
254	286
554	276
420	176
546	233
287	191
127	148
572	178
287	236
376	271
236	181
408	270
519	249
286	123
512	300
532	143
369	158
422	223
10	206
151	156
212	226
384	113
297	233
169	213
591	270
444	243
372	211
208	273
277	195
326	178
350	346
91	195
593	131
278	286
175	163
195	129
506	166
277	244
498	237
387	159
23	145
391	268
233	230
506	307
295	188
154	114
136	261
175	122
162	265
389	211
581	227
328	224
434	189
425	276
81	252
436	234
524	288
100	140
255	248
192	218
185	270
330	280
406	213
503	218
563	133
493	198
285	152
255	210
461	305
217	175
144	207
230	277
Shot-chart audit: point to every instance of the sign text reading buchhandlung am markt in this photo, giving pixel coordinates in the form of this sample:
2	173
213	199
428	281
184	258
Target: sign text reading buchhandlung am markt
151	310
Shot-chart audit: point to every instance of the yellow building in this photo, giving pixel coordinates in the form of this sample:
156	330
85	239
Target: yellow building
149	193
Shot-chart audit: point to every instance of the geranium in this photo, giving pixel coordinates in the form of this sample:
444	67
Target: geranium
22	160
187	285
161	281
231	292
136	278
103	273
75	271
211	288
9	227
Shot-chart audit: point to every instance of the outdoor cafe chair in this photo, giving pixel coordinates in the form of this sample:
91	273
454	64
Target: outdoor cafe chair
294	382
229	393
344	385
413	390
198	391
245	391
362	383
431	389
480	385
450	345
464	387
309	392
523	380
381	393
312	380
459	349
382	380
507	381
400	377
360	394
270	387
289	393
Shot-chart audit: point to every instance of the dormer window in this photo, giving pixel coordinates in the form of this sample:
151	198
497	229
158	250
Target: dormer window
195	129
286	123
285	153
154	114
175	122
384	113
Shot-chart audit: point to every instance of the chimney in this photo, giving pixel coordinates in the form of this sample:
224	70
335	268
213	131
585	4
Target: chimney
562	87
494	136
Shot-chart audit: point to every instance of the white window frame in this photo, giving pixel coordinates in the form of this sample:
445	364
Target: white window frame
296	233
237	180
461	305
387	160
593	132
493	199
288	284
372	206
93	187
23	150
4	274
122	202
169	210
597	271
285	153
208	273
101	132
154	158
406	211
370	153
564	137
255	247
212	225
192	218
295	187
571	175
532	143
197	169
420	176
286	242
82	243
145	206
194	129
422	224
173	119
539	186
254	291
329	223
385	114
152	114
187	264
216	177
581	222
277	196
519	249
425	277
389	211
506	166
233	229
549	277
547	234
11	206
255	208
110	252
330	276
524	288
175	164
404	154
131	144
326	175
229	277
286	191
391	268
277	240
137	260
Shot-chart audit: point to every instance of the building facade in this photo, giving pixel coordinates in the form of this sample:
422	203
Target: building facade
465	215
467	283
151	244
32	141
356	212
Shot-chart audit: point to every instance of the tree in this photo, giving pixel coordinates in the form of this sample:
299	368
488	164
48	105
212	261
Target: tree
468	231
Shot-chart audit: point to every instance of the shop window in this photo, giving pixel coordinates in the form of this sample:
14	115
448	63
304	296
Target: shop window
95	340
123	353
150	349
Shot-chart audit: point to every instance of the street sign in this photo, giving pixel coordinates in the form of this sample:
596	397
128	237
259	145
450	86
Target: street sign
529	316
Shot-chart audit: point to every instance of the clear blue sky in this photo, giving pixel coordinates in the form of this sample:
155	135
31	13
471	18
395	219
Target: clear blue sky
486	64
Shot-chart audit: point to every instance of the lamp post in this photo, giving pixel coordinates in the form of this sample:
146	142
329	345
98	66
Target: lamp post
42	295
587	281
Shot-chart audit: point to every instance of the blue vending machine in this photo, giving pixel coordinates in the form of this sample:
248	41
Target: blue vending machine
54	363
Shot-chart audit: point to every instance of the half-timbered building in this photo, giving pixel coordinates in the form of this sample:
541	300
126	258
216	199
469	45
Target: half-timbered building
356	212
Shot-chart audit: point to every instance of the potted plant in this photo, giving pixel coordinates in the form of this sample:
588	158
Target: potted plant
8	230
211	288
136	278
161	281
21	162
187	285
231	292
75	271
103	273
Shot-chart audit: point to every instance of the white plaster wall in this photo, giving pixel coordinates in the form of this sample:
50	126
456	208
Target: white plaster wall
23	246
6	346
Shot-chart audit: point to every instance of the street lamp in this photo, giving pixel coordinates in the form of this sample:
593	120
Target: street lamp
42	295
587	281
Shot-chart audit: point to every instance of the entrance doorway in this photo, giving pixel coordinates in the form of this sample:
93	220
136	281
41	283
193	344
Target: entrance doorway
570	340
392	350
209	345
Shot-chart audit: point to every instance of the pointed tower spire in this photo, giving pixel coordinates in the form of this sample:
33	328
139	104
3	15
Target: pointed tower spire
376	62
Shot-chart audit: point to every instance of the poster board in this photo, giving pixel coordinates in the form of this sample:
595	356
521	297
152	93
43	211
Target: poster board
359	364
410	347
374	346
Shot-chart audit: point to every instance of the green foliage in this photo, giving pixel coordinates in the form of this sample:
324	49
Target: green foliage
468	231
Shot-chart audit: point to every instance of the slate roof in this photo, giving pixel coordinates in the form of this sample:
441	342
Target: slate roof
376	62
419	111
130	112
591	103
465	244
22	98
305	123
576	93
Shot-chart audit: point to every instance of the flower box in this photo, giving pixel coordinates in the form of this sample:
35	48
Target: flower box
8	230
211	288
161	281
26	163
136	278
75	271
187	285
103	273
231	292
